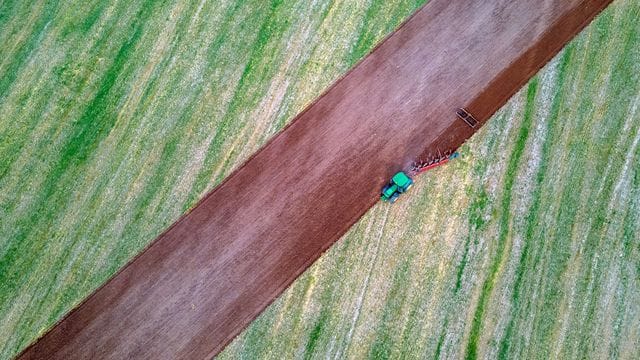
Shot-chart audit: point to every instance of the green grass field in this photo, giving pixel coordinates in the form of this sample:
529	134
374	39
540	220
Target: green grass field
115	117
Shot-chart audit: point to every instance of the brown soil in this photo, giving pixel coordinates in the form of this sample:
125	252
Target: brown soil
209	275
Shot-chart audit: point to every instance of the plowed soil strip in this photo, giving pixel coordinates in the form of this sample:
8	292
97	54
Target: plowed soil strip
203	280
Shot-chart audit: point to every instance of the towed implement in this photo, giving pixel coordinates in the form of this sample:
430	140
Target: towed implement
401	182
433	162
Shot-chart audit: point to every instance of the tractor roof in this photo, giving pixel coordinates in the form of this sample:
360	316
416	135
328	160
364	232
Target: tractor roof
400	179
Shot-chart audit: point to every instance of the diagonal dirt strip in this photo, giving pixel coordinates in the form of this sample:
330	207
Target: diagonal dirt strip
204	279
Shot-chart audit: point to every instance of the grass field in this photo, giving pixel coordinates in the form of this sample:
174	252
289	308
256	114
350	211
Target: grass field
115	117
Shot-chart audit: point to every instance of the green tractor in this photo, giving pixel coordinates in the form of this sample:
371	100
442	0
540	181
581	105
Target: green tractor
399	183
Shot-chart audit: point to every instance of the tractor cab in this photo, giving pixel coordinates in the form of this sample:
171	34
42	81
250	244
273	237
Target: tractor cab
398	184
